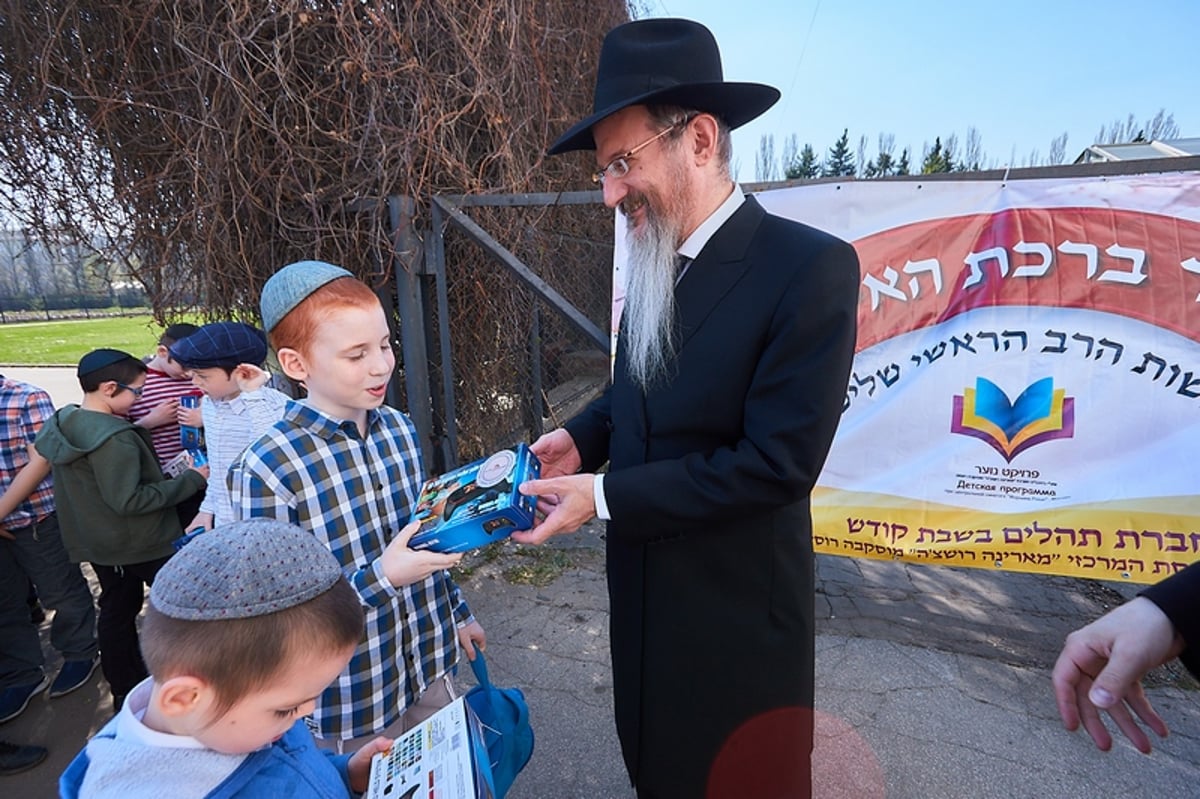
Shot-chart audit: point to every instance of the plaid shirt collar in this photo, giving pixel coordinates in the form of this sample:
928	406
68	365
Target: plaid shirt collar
327	427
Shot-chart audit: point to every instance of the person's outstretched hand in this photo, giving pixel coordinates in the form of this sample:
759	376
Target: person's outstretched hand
557	452
1101	668
566	502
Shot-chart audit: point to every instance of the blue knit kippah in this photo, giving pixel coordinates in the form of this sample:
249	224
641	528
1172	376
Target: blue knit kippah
288	287
242	570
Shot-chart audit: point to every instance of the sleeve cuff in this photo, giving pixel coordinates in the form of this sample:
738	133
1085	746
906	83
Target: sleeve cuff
601	503
373	586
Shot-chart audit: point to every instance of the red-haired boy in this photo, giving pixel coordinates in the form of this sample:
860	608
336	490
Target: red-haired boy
346	467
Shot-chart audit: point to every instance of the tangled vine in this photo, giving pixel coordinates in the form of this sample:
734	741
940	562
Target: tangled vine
204	143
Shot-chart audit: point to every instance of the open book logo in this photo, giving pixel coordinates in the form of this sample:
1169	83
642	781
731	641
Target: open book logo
1041	413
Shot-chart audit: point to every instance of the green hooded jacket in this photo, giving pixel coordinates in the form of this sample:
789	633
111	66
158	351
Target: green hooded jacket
115	505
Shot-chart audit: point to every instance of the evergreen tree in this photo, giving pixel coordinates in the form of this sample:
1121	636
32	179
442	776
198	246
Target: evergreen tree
902	166
805	167
935	159
883	164
841	161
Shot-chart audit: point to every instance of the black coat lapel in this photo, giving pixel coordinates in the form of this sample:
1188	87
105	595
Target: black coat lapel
719	266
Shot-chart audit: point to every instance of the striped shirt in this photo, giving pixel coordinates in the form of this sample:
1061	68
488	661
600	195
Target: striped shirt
25	409
229	427
355	494
159	388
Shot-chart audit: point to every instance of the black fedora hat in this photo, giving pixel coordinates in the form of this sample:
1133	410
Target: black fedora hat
667	62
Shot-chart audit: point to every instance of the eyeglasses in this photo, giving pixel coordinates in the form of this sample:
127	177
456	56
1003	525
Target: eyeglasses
619	166
137	392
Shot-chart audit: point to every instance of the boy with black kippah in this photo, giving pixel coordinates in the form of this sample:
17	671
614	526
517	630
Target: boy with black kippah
246	627
225	361
116	508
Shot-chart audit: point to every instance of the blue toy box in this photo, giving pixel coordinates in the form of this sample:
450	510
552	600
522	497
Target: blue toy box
476	504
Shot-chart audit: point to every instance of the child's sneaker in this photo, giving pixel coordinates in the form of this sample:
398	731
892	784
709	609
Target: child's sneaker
74	674
16	698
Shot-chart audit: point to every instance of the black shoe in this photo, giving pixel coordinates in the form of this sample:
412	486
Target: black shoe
15	758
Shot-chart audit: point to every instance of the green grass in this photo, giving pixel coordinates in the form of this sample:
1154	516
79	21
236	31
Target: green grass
64	342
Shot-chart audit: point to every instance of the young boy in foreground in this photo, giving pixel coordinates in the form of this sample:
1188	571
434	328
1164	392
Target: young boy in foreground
347	468
246	626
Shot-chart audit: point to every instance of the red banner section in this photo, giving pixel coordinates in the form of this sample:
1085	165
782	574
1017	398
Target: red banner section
1129	263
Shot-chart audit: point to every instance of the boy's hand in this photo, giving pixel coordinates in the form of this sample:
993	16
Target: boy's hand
250	377
470	634
204	470
359	767
192	417
163	414
404	566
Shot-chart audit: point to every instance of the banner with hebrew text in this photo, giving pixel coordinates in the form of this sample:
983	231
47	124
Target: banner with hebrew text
1026	388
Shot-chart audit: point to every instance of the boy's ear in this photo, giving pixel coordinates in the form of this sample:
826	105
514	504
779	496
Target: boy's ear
161	351
292	363
182	696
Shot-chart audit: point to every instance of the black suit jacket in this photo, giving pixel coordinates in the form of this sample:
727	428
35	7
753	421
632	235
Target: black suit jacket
1178	596
709	550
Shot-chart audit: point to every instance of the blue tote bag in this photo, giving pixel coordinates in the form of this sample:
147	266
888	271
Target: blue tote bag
506	729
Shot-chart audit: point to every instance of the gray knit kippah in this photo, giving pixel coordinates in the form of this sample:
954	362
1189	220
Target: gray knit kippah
288	287
244	569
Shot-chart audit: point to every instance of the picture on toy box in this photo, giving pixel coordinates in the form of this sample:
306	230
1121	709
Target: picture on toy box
476	504
444	756
191	437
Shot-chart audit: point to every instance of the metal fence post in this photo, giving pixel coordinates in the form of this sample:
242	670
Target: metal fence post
407	260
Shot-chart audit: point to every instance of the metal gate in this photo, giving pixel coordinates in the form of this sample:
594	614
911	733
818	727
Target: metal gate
500	339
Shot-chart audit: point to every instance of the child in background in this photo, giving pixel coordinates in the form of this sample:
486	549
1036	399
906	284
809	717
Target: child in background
31	548
166	381
157	408
116	508
246	626
347	468
225	360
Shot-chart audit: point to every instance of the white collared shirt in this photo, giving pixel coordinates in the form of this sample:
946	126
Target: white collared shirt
690	249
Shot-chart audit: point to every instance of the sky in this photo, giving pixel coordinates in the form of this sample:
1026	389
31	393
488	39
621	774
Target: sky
1020	72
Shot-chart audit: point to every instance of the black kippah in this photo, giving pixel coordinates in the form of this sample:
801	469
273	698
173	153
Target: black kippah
98	359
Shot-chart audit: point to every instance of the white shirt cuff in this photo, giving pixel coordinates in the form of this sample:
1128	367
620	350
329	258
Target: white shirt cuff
598	495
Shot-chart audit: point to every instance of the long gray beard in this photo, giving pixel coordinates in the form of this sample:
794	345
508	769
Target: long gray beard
649	311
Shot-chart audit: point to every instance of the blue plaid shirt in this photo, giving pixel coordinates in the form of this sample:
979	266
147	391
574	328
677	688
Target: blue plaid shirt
355	494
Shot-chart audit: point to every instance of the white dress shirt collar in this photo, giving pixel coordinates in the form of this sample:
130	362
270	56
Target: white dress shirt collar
694	243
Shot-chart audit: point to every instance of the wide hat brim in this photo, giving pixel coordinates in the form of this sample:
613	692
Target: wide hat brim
664	62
